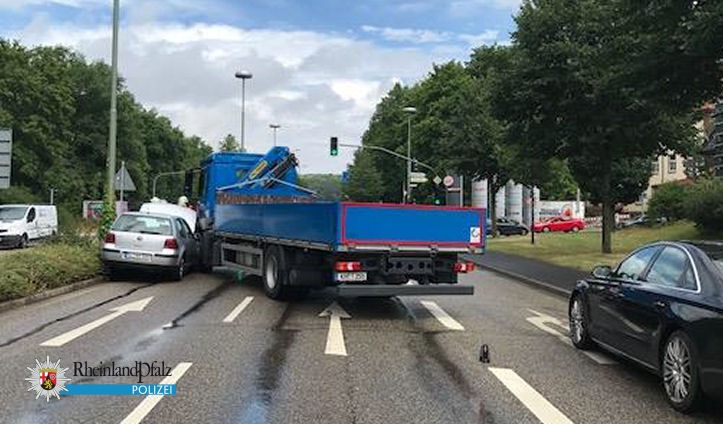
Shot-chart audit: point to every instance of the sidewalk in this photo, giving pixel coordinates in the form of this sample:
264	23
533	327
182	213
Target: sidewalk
558	279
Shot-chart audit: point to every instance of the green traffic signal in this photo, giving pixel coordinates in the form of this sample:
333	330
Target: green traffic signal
334	146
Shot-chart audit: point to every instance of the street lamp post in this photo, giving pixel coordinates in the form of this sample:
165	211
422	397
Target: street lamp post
243	75
112	133
409	110
274	127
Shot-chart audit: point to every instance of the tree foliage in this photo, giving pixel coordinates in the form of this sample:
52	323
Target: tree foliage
326	186
229	144
365	181
57	104
670	201
606	85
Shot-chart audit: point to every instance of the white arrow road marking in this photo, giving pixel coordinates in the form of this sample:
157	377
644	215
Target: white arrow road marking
541	321
546	412
64	338
238	309
335	336
150	401
442	316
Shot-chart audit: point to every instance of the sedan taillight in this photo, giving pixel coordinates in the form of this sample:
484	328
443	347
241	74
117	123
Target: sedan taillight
170	243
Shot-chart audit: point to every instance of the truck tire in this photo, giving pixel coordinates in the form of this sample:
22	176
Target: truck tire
275	276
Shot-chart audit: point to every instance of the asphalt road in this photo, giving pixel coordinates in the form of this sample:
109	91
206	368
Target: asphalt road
411	360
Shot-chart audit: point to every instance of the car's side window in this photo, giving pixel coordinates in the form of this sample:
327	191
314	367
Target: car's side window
181	228
31	215
669	268
633	266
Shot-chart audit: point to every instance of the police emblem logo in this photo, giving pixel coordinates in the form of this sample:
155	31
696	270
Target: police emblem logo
47	379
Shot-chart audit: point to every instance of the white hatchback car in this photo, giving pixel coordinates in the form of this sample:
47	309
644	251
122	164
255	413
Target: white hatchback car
150	241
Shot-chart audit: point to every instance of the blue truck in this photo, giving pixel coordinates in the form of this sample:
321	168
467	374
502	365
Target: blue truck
254	217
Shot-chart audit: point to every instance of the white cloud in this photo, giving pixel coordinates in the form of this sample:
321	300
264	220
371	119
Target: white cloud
465	8
425	36
315	85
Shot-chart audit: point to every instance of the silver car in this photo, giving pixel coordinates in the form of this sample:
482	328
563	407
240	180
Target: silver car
150	241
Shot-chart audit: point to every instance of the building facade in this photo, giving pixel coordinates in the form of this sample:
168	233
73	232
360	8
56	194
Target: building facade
713	150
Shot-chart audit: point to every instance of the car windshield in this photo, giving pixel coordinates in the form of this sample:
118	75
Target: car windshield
143	224
11	213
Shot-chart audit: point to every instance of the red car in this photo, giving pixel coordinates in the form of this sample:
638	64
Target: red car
560	223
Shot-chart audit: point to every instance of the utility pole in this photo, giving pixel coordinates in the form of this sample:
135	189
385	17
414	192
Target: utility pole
274	127
52	196
409	110
112	133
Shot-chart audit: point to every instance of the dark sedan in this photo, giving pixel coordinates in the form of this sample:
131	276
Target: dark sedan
509	227
662	307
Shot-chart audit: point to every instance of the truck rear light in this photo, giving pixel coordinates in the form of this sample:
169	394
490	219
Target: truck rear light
348	266
170	243
110	238
463	267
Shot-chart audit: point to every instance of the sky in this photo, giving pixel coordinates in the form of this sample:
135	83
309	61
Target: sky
319	66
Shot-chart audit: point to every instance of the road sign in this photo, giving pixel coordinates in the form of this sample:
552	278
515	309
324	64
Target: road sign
448	181
123	180
6	149
437	180
418	177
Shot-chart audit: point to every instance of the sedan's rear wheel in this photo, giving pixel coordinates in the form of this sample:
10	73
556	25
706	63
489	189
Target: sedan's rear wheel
575	229
680	373
579	324
545	229
180	270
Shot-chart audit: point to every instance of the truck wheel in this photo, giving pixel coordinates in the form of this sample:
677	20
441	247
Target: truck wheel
274	276
23	241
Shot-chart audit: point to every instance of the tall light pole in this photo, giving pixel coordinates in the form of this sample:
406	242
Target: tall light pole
112	133
243	75
409	110
274	127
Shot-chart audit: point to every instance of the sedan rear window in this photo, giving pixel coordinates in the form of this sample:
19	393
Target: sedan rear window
143	224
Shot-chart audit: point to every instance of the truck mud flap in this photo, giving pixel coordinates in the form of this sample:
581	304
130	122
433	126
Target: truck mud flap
374	290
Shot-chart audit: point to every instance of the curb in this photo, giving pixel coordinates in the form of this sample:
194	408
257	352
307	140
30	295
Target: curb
527	280
12	304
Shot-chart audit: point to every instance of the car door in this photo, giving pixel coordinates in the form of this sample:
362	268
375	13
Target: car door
31	224
191	247
503	226
605	295
643	306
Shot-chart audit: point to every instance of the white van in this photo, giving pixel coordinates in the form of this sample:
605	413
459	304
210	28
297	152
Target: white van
20	224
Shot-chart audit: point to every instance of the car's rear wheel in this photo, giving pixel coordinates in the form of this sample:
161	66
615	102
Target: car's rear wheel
180	271
579	324
545	229
679	367
575	229
524	232
23	241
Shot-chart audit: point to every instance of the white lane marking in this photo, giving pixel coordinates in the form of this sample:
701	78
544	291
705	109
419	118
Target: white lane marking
442	316
546	412
64	338
150	401
238	309
335	337
541	321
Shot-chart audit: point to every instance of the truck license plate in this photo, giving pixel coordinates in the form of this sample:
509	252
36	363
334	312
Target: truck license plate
351	276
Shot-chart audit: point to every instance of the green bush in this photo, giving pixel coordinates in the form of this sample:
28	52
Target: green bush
705	205
55	264
670	200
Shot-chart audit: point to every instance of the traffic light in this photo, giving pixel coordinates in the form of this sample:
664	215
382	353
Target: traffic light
334	147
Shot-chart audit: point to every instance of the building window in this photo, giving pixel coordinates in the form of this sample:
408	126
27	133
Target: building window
655	165
672	164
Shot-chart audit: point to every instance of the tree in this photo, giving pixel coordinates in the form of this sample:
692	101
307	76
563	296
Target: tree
365	182
606	85
57	105
229	144
326	186
669	201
